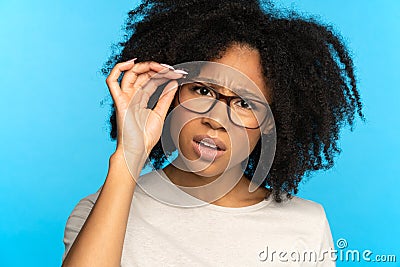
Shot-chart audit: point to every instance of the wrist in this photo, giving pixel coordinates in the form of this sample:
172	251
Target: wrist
120	158
118	153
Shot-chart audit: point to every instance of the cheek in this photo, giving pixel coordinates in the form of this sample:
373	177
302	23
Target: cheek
246	141
243	142
181	126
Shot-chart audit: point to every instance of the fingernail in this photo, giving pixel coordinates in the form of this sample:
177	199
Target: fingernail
180	72
132	60
167	66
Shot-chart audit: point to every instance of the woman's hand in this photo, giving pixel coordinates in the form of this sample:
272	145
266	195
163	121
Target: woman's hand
139	127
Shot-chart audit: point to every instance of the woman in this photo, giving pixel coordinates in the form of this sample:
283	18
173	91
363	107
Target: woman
300	70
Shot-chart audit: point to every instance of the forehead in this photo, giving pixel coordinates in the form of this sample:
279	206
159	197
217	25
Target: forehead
239	67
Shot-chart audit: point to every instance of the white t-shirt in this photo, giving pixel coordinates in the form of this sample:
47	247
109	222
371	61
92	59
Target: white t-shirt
292	233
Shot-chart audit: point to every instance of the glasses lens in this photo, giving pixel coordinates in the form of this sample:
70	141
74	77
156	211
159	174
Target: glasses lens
196	97
247	113
199	98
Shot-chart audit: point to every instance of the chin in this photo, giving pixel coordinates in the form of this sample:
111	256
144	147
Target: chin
210	169
203	167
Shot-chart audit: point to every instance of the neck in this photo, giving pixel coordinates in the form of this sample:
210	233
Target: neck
228	189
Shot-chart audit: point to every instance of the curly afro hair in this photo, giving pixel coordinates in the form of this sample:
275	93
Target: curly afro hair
305	63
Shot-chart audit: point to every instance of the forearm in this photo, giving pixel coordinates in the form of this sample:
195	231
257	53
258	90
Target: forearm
100	241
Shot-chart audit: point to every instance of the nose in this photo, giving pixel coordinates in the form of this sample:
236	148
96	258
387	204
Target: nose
217	117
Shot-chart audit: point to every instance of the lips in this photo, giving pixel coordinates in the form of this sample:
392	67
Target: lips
210	142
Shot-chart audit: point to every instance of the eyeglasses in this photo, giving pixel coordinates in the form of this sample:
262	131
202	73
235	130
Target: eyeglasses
200	98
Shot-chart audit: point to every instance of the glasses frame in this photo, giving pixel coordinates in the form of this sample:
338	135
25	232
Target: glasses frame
220	96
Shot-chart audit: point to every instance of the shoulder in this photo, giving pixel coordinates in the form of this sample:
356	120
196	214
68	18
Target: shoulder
82	208
304	217
305	205
302	209
85	205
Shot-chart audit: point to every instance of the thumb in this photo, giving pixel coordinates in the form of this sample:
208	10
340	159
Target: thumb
166	98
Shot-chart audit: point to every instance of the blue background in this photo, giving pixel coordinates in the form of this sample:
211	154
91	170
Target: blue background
54	132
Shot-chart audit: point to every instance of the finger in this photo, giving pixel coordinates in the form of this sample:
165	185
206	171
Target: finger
166	98
147	90
175	74
150	85
142	67
155	78
156	70
130	76
143	79
112	79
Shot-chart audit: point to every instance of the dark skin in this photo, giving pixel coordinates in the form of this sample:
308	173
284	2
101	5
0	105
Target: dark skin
247	61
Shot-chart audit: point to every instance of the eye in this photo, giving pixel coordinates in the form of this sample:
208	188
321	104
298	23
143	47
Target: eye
202	90
244	104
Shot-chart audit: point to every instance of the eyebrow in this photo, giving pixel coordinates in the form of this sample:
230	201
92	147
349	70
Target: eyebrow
239	90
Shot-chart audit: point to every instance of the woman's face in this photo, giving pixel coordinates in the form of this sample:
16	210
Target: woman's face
237	142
